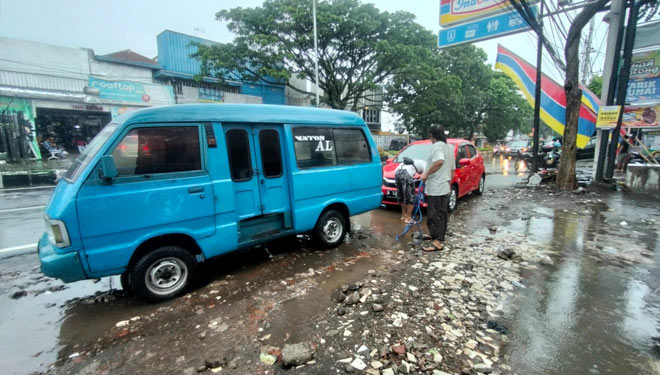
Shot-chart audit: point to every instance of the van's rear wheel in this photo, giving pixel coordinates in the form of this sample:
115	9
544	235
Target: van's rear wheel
331	229
162	274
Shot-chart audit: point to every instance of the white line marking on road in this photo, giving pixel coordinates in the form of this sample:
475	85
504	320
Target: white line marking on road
22	209
10	190
17	248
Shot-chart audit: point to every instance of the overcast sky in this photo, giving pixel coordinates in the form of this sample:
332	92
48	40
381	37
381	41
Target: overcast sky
109	26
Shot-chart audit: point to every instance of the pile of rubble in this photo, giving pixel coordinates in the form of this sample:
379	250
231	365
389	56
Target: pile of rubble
432	313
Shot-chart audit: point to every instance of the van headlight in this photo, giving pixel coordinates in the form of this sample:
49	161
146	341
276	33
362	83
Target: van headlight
57	233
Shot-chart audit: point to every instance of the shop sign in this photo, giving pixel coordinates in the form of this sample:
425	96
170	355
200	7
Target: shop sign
123	91
608	116
645	65
83	107
645	116
647	89
487	28
211	95
453	12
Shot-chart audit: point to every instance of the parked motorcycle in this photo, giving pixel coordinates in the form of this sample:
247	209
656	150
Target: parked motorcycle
548	157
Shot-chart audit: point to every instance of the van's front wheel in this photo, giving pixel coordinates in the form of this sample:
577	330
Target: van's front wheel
162	274
331	229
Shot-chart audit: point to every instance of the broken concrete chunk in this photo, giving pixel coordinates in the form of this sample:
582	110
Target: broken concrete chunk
296	354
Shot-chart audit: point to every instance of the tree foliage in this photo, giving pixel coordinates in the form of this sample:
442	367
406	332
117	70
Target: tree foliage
596	85
359	46
455	88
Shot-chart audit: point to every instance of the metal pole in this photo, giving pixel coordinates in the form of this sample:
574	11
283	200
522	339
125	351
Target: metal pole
316	54
623	82
537	93
610	72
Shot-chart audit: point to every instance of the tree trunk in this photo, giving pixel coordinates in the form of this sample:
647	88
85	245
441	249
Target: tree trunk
566	175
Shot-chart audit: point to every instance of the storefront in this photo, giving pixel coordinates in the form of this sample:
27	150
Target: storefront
70	125
17	130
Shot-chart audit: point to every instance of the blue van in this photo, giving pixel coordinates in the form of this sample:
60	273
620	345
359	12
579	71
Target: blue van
160	190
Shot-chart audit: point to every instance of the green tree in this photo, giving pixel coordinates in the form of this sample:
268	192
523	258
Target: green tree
506	109
455	88
359	46
596	85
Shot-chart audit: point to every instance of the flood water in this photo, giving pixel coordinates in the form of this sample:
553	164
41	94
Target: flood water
597	309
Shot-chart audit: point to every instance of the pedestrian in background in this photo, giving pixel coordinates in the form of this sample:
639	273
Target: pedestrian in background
439	172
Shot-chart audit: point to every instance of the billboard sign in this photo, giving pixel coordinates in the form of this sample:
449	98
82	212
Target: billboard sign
645	116
645	65
123	91
486	28
643	90
454	12
638	116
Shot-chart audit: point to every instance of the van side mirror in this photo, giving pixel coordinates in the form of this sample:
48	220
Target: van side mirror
108	169
389	160
463	162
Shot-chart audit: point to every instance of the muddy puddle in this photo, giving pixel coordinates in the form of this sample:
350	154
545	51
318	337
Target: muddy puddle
290	285
596	310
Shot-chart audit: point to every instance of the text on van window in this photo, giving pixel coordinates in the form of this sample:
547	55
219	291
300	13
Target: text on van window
318	147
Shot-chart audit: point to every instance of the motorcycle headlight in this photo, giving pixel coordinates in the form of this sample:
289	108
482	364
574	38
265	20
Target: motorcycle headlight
57	233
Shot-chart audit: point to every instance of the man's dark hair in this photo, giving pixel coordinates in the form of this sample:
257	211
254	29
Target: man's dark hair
438	132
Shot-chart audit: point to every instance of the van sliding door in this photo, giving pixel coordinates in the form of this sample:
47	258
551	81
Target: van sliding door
243	170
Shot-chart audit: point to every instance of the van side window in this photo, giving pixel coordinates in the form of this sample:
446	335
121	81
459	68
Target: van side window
158	150
238	150
314	147
271	153
352	146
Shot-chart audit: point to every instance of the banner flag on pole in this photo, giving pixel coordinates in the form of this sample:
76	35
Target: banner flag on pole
553	97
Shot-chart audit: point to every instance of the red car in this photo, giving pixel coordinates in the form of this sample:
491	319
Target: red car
470	175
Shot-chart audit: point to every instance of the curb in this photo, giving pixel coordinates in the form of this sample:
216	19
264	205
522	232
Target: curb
10	180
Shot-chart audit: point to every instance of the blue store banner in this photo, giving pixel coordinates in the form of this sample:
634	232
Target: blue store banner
642	90
123	91
487	28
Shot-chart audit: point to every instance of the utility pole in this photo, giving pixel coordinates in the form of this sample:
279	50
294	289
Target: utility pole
586	62
623	81
537	93
610	68
316	53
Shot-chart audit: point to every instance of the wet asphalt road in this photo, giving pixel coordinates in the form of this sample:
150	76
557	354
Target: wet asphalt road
595	311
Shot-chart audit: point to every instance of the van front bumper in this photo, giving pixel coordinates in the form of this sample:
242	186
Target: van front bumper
66	267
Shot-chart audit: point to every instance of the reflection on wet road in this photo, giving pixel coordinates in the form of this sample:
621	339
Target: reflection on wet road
595	311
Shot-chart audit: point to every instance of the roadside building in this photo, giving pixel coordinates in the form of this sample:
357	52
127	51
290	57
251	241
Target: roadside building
180	70
67	95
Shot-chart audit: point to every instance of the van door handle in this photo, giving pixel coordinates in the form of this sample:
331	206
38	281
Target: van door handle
196	189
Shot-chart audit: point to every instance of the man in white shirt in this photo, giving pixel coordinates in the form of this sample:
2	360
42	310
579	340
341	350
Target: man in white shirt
439	172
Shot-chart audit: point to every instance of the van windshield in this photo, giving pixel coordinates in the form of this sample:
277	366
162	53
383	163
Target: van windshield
89	152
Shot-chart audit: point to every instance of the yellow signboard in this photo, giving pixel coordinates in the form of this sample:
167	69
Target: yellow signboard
607	116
